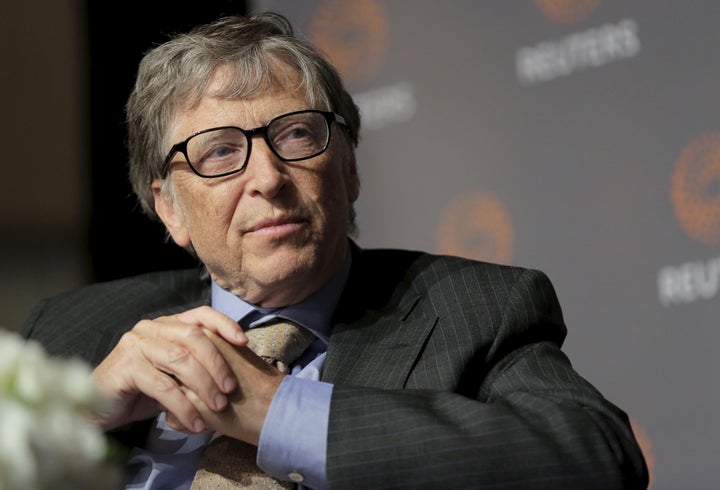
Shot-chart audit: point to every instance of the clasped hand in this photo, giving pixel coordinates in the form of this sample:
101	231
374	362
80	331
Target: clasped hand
197	367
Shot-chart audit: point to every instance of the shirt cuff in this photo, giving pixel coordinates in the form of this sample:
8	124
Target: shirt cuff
293	441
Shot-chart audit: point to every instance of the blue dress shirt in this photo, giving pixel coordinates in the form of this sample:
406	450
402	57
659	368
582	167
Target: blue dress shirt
293	440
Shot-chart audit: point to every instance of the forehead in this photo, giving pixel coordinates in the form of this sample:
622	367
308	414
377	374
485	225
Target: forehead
230	81
227	101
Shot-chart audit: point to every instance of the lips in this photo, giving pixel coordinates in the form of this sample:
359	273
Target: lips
276	225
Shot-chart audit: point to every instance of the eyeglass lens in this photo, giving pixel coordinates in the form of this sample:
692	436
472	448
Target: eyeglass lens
291	137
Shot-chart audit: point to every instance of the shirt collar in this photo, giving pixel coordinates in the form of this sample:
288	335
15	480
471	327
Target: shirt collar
314	312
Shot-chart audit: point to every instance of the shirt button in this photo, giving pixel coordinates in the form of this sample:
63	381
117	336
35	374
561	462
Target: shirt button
296	477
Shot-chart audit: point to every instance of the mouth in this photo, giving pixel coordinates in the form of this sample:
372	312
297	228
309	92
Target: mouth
276	227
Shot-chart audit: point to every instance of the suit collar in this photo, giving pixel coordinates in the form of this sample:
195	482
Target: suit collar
381	323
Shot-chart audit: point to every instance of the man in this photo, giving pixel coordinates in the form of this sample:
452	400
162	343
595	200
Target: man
423	370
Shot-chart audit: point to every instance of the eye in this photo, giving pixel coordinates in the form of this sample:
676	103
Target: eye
299	131
292	132
218	151
222	154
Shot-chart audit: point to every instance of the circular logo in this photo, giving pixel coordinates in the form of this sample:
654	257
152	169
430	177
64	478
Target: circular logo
696	189
354	35
567	11
477	226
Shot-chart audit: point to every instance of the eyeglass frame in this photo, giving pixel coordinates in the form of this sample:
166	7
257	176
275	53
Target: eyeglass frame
181	147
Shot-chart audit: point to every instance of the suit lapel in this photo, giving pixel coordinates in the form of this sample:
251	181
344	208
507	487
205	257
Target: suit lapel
379	331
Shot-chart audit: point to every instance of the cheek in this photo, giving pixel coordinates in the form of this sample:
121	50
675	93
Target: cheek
332	196
208	209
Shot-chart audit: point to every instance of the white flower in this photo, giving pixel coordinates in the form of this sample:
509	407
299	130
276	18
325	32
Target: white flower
17	462
46	438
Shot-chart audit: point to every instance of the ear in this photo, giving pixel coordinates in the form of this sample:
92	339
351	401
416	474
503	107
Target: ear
170	214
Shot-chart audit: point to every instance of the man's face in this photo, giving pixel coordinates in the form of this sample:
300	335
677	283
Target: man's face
276	232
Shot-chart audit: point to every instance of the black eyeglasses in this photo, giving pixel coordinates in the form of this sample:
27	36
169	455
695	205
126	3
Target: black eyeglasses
225	150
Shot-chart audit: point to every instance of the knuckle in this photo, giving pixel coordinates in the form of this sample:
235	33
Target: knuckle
142	325
204	309
192	333
165	384
218	363
176	354
129	338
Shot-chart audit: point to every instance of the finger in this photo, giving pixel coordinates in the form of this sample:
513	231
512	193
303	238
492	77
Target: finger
240	357
166	391
225	327
172	421
213	420
188	338
194	361
248	407
197	402
216	322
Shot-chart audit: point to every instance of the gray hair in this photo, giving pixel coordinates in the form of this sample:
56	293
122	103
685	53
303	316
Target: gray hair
177	73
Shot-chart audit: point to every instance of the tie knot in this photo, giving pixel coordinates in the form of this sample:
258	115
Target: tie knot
279	342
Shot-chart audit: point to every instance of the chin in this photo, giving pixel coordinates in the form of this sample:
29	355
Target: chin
289	263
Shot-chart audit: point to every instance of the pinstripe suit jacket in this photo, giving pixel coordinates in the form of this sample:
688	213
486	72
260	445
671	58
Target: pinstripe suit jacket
448	373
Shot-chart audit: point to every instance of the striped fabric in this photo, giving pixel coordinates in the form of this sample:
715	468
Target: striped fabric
448	374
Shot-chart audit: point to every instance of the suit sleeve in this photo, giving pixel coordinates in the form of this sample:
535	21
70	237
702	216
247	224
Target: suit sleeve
515	415
87	322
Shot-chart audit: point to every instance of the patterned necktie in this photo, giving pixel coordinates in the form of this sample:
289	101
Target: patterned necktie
228	462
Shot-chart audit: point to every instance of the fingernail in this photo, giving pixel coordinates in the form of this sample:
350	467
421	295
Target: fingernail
220	402
198	425
229	384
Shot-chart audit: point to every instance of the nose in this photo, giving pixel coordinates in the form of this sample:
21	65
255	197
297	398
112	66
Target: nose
265	172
